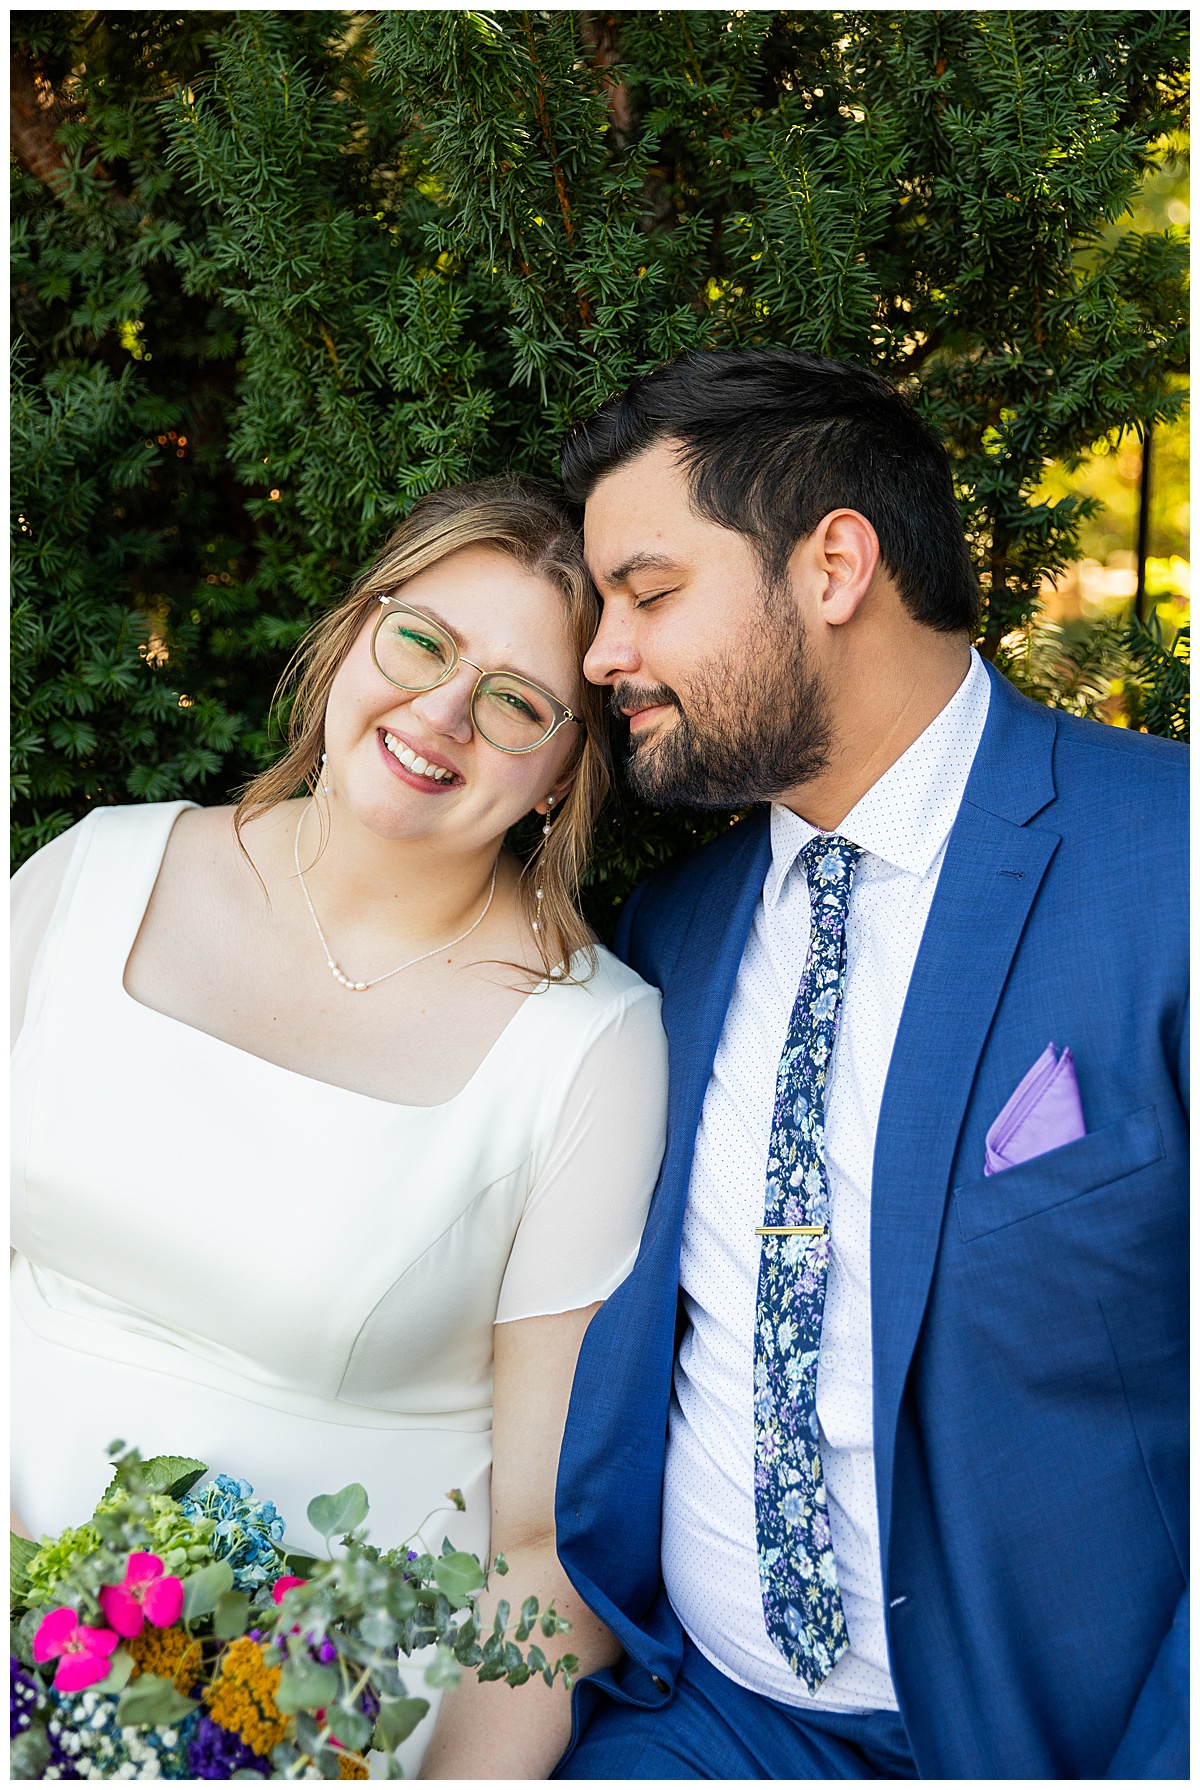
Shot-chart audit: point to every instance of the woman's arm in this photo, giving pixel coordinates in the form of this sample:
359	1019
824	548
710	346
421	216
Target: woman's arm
494	1730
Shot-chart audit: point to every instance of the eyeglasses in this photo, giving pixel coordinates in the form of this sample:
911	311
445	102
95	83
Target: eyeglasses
416	653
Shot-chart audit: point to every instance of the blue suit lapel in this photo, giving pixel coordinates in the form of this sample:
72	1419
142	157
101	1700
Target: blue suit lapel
990	876
696	998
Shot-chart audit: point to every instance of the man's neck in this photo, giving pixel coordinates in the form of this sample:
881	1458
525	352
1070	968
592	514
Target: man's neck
887	706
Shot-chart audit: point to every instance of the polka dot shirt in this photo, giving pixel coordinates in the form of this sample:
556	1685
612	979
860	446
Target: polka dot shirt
709	1546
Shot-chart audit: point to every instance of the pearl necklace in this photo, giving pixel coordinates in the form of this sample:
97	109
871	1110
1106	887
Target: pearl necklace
334	970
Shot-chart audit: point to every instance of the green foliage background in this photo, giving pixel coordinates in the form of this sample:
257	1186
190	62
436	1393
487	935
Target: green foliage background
278	273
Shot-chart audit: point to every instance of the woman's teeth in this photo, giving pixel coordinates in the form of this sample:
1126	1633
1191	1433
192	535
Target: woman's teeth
412	761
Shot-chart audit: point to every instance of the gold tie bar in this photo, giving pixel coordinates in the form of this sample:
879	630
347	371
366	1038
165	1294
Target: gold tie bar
789	1230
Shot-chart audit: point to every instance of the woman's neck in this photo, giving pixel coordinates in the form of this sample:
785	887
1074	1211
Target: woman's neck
416	891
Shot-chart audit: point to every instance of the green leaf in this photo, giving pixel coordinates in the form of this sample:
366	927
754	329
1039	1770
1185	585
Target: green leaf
29	1753
231	1616
305	1685
336	1513
443	1672
119	1673
172	1474
348	1725
397	1719
203	1590
21	1552
459	1576
152	1702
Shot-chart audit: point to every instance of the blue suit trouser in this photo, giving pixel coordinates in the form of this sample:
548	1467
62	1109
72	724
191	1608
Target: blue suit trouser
713	1728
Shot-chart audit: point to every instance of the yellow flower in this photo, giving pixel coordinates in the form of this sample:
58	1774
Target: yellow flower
170	1652
352	1765
242	1696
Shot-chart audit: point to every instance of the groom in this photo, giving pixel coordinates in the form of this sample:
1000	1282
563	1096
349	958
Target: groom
875	1464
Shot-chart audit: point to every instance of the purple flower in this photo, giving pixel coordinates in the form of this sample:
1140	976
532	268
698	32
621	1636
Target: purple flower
22	1698
216	1753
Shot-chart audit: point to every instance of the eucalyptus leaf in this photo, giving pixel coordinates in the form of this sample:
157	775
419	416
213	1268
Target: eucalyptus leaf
397	1719
308	1734
337	1513
379	1629
443	1672
20	1645
328	1763
25	1631
348	1725
29	1754
460	1576
203	1590
394	1767
152	1702
231	1617
305	1685
120	1671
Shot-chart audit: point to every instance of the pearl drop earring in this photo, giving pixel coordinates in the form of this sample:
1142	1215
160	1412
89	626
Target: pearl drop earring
324	773
537	924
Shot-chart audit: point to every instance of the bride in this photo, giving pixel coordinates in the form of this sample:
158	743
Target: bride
333	1127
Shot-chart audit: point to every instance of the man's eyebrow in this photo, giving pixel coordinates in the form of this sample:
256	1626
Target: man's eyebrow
641	562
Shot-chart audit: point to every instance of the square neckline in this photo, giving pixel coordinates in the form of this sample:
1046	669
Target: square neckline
298	1075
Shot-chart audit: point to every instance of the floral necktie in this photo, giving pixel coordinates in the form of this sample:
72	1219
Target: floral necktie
796	1568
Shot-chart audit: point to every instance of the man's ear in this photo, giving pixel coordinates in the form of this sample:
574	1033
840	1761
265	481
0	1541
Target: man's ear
843	553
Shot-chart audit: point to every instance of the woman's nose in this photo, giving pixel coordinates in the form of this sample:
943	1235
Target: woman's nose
613	653
447	708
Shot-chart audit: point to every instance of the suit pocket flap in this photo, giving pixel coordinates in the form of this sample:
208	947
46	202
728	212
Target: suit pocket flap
1044	1182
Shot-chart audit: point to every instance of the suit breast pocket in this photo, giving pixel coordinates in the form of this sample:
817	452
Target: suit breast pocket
1044	1182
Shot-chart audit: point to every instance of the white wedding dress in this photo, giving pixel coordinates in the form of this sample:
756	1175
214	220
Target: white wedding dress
219	1257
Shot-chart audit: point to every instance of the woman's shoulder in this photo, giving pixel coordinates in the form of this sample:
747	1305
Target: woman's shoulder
595	999
617	979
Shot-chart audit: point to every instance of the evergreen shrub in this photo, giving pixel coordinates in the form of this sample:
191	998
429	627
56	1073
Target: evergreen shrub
277	273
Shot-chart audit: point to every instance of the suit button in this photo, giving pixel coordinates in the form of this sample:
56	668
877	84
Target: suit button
660	1684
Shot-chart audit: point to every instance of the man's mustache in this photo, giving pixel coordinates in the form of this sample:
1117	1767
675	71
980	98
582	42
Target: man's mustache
627	695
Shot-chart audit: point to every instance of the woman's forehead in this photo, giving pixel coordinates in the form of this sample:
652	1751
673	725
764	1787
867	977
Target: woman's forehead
492	604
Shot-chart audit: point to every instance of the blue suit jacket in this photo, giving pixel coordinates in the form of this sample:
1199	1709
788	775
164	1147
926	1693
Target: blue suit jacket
1029	1330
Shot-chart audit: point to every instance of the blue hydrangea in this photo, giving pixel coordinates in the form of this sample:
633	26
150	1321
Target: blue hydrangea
248	1529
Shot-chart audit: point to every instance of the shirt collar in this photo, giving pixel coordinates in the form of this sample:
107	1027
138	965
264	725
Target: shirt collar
906	816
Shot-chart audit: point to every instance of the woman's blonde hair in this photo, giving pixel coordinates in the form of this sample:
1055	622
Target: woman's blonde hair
533	525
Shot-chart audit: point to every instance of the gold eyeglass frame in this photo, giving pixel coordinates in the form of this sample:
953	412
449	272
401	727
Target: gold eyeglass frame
560	710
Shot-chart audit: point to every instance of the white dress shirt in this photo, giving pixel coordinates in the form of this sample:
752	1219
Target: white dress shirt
709	1548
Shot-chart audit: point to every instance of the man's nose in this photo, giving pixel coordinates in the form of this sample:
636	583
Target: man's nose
613	653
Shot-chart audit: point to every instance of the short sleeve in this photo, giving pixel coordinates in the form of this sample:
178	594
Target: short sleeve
582	1223
34	893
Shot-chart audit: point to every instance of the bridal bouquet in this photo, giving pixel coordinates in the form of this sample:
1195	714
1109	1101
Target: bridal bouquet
174	1636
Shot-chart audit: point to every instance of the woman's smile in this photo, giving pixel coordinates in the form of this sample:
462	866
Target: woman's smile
419	769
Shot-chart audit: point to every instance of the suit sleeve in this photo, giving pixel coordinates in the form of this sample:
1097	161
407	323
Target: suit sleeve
1155	1743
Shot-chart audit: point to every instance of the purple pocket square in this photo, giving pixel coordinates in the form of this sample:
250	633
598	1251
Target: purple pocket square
1044	1112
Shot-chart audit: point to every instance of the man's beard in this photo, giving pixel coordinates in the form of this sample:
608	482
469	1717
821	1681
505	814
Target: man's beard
747	730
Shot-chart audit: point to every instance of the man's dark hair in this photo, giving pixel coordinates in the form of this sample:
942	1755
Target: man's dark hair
774	440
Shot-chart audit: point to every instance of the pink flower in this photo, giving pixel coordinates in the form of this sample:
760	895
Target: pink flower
84	1650
143	1595
281	1587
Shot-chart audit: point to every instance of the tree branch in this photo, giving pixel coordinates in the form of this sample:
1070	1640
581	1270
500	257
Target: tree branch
36	113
